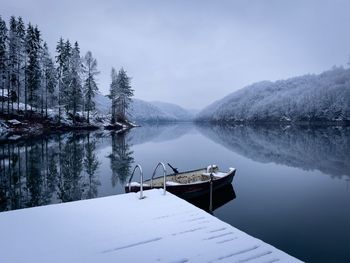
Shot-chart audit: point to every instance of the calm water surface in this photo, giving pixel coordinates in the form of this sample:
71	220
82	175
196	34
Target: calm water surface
292	184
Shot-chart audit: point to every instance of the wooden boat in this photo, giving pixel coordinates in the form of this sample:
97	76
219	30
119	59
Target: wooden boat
188	184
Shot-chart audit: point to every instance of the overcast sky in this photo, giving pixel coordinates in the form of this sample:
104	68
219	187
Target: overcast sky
194	52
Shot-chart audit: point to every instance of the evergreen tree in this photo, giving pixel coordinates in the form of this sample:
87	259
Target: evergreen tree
21	59
3	60
12	63
28	48
33	68
75	89
42	82
66	75
50	80
124	94
90	86
60	60
113	94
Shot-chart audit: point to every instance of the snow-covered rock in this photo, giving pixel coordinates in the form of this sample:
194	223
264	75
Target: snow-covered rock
14	122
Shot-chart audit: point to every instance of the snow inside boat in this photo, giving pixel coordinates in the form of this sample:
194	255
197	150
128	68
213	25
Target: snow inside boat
188	184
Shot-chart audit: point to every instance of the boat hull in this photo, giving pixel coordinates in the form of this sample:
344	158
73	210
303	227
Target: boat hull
220	197
194	190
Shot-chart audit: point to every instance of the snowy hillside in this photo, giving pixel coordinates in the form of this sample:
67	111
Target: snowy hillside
323	97
147	111
174	110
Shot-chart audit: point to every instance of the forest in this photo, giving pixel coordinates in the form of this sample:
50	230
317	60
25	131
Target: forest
36	86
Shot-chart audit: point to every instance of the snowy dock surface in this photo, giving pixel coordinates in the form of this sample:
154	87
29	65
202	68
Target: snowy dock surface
123	228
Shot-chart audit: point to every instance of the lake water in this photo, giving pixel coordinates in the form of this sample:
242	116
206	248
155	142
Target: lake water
292	186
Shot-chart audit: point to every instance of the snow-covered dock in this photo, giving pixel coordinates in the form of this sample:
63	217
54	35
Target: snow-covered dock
123	228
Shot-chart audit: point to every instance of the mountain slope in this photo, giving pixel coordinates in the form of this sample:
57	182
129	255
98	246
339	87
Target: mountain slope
174	110
146	112
143	111
323	97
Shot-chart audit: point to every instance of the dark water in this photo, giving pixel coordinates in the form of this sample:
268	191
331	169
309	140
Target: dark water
292	187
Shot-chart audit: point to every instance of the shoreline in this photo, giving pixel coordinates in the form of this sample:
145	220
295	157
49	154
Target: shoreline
17	127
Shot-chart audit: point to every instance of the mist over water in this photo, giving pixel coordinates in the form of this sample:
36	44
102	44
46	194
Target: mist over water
292	187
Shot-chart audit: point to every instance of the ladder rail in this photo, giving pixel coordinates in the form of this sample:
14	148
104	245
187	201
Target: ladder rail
164	175
141	183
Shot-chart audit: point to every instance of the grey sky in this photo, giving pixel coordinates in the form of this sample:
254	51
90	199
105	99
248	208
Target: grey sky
194	52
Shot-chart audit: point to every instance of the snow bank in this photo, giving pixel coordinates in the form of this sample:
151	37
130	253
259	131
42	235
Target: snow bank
125	229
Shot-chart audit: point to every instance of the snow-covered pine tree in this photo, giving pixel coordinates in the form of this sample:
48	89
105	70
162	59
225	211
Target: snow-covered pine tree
3	59
90	85
113	94
124	94
33	68
29	35
12	63
75	89
50	80
60	60
38	71
21	59
42	87
66	75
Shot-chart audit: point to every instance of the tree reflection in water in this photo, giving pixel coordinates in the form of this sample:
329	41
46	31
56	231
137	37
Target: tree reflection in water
121	158
59	168
53	169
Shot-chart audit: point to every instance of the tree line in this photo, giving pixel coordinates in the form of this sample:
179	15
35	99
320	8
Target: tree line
34	82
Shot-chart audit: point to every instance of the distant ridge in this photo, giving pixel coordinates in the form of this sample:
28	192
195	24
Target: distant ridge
174	110
323	97
144	111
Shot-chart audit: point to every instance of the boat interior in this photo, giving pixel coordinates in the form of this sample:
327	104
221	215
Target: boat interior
196	176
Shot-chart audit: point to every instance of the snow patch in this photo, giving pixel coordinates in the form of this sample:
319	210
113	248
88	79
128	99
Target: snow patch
14	122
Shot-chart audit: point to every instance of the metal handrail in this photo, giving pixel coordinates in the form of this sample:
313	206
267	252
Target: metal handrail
141	183
164	175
